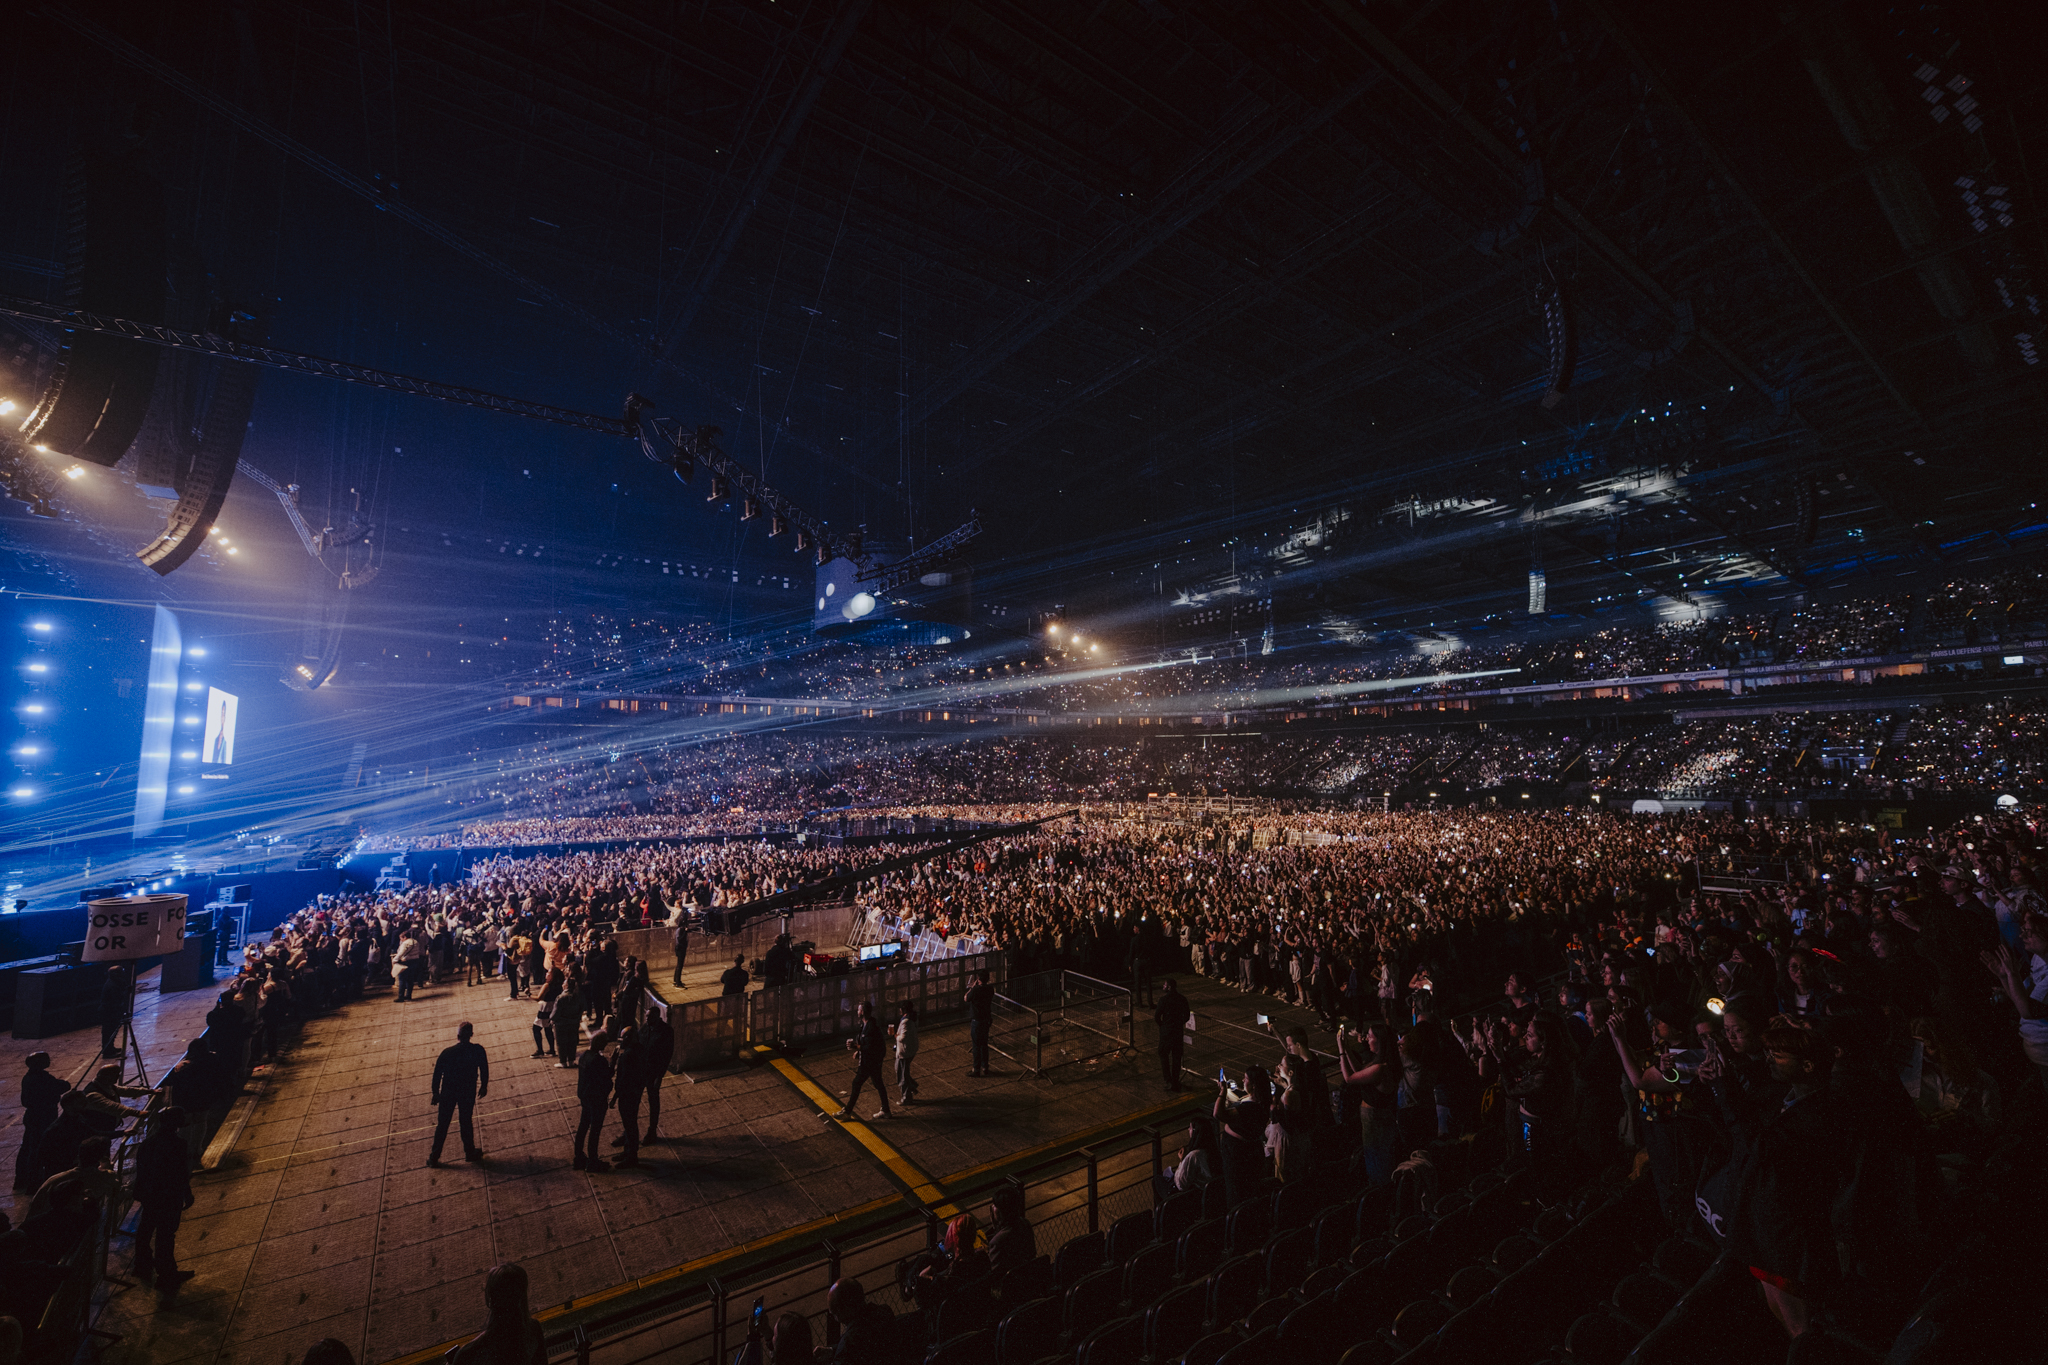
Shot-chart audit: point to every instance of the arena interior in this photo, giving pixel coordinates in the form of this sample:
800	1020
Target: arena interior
1193	682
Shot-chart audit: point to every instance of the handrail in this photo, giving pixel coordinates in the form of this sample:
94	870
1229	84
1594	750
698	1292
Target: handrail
1056	1189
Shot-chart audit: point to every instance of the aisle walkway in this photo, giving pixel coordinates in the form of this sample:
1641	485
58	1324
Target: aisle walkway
324	1220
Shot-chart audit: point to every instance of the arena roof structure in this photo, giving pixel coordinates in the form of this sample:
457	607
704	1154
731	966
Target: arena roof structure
1373	312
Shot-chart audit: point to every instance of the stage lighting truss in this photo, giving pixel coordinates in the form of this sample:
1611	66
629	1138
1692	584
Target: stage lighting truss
683	449
882	579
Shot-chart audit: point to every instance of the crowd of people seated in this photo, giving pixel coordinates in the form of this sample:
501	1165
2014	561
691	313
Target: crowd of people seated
694	659
743	785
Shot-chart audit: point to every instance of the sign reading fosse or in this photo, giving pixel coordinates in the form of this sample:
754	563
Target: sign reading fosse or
123	928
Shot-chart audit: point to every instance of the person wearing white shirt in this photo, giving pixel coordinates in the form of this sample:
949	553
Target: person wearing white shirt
906	1053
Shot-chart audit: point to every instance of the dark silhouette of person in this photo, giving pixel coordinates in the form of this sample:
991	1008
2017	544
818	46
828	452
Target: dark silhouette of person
733	980
682	943
42	1091
870	1045
593	1097
1171	1014
462	1076
630	1083
981	1008
568	1021
658	1041
115	1003
511	1336
328	1351
163	1189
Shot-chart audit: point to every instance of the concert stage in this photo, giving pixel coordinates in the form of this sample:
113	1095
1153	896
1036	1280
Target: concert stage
323	1219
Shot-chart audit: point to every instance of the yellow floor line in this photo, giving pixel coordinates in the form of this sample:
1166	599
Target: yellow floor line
921	1186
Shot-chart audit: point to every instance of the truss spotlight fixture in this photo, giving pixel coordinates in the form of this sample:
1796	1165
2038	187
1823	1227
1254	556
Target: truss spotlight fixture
803	540
749	509
631	417
777	524
684	466
853	543
720	489
823	555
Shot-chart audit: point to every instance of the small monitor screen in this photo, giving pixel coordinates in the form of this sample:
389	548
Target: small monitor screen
879	952
220	726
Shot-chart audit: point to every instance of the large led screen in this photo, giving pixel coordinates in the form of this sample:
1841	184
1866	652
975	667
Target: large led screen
220	727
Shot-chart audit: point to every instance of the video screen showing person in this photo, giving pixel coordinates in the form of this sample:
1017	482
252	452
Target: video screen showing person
220	727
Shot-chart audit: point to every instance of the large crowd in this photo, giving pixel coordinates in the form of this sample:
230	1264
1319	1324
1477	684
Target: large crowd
745	784
691	658
1862	1001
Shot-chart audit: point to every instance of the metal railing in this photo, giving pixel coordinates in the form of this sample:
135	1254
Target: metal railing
1071	1016
702	1319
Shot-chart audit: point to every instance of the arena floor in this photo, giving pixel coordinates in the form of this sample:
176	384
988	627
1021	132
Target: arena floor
323	1219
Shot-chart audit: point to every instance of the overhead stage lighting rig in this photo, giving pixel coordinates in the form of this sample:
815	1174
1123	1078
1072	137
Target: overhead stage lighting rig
881	579
679	449
683	449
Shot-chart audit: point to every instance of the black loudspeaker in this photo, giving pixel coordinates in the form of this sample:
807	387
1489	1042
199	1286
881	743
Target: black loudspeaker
205	485
117	246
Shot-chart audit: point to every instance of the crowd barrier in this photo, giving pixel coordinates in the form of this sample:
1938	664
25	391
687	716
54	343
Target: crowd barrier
703	1317
807	1010
1047	1019
709	1033
823	925
67	1319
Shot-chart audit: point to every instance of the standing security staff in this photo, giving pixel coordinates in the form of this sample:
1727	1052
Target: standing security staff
462	1076
163	1187
568	1021
981	1010
593	1097
1172	1017
870	1044
630	1081
660	1042
682	941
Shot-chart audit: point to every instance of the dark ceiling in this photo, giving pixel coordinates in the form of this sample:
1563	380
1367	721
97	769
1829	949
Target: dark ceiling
1144	284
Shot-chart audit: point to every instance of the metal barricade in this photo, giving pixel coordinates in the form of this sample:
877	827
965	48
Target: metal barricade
709	1033
804	1011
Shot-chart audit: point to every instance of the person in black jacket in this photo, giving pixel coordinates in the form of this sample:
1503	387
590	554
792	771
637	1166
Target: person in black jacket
600	979
682	943
511	1335
1172	1016
870	1044
630	1082
115	1001
1783	1177
192	1086
41	1092
981	1008
593	1097
568	1020
163	1189
659	1042
462	1076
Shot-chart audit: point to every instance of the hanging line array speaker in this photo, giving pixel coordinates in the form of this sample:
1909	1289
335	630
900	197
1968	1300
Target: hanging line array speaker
205	484
117	255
